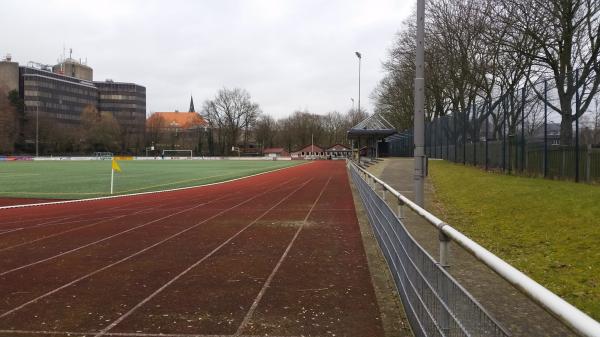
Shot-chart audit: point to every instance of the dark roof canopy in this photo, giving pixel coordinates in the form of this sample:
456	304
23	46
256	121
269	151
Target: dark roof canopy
374	125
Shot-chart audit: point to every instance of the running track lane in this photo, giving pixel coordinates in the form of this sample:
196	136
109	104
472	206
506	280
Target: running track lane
290	262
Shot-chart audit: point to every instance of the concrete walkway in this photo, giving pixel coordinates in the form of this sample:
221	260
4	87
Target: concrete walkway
506	304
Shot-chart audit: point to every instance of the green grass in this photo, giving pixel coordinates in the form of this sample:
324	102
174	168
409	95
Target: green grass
87	179
548	229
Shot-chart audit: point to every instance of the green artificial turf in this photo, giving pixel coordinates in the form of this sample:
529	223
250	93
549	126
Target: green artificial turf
86	179
548	229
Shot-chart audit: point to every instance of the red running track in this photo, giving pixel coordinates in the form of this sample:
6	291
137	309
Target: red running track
279	254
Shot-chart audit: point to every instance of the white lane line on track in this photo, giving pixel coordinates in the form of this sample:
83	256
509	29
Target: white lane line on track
137	253
143	210
124	334
139	211
6	231
223	244
50	222
64	232
86	213
151	192
106	238
267	283
58	222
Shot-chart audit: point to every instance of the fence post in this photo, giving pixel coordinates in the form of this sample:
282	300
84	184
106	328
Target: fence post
577	105
562	167
588	166
504	104
465	122
446	123
545	128
523	95
455	113
487	127
475	134
383	190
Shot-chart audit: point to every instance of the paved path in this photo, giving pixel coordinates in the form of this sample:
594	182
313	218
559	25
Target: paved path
505	303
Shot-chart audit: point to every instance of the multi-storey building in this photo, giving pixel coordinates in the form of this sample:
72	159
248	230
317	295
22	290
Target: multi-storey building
55	97
127	103
59	94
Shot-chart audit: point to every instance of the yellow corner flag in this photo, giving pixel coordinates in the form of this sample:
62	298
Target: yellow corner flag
115	166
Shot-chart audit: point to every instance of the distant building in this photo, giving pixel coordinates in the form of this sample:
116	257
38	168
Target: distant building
55	97
9	74
338	151
309	152
58	95
177	130
552	134
275	152
72	68
126	102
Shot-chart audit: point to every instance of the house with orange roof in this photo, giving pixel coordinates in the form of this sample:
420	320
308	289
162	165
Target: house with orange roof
176	130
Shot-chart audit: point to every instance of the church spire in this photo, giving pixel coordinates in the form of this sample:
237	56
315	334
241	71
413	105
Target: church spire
192	104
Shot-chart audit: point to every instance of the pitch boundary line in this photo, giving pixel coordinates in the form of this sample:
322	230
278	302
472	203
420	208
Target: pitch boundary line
124	334
106	238
90	274
269	279
100	220
150	192
195	264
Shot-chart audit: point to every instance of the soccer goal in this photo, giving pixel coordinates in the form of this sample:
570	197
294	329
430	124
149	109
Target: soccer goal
177	154
103	155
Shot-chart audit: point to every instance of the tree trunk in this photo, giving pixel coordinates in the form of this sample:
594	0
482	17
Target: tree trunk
566	129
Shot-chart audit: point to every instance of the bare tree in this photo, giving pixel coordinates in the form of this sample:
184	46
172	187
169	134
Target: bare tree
230	113
8	123
265	130
566	36
99	131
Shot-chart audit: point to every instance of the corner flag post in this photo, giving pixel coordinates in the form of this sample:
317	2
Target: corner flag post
114	167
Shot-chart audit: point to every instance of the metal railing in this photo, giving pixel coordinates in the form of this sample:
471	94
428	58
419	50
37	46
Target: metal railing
436	305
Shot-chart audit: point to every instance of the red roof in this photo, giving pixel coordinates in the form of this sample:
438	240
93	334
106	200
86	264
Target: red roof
338	147
180	120
273	150
310	148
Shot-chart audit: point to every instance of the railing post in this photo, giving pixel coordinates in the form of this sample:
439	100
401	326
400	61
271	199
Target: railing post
383	190
400	209
444	249
444	291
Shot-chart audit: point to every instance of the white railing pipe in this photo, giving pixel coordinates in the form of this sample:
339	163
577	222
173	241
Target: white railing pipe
572	317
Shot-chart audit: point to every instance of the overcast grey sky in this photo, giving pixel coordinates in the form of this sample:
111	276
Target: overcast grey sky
296	54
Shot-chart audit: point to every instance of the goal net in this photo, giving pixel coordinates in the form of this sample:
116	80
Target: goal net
177	154
103	155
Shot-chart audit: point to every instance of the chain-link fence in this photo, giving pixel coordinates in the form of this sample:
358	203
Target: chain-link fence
531	130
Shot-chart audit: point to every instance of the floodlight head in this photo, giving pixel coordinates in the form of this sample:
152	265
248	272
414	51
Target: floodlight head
358	54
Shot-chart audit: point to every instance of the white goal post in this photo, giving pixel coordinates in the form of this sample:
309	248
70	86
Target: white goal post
188	154
103	155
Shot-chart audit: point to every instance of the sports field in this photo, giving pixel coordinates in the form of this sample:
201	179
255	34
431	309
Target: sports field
87	179
279	254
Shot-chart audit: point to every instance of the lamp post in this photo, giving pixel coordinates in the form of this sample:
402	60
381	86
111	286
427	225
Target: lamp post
419	118
359	59
37	132
352	99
